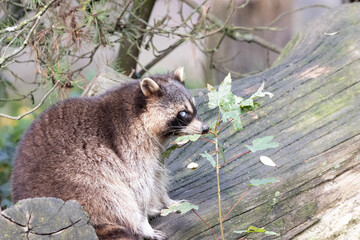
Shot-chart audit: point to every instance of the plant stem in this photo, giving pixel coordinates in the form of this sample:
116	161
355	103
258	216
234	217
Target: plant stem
218	186
234	158
229	121
216	237
237	203
207	140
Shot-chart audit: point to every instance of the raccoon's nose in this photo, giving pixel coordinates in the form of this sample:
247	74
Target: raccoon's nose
205	129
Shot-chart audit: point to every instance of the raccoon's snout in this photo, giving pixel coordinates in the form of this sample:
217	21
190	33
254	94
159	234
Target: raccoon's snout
205	129
196	126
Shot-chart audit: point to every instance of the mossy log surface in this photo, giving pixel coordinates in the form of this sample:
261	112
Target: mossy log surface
315	115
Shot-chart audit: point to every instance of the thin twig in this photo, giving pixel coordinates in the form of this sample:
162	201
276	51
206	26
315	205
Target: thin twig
36	18
217	122
216	237
25	43
25	22
231	31
237	202
164	54
13	40
244	238
207	140
218	187
35	108
19	98
235	158
229	121
91	57
122	13
296	10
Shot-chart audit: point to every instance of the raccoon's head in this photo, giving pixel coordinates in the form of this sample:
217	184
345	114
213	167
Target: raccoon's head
170	107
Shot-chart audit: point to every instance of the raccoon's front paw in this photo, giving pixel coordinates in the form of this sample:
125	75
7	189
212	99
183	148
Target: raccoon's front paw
152	212
157	235
148	232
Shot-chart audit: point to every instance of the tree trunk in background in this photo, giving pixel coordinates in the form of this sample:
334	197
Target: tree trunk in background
315	116
129	52
13	12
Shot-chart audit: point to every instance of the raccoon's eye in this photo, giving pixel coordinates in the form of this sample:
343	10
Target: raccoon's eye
183	114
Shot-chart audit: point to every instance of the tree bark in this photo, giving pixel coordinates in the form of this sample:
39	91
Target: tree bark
45	218
315	116
129	51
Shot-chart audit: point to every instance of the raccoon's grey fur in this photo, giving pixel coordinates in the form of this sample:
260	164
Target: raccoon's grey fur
104	152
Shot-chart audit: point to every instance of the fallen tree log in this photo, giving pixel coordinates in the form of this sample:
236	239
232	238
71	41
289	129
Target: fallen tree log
315	115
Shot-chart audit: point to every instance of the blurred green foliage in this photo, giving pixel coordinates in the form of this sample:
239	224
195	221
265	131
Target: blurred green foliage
10	135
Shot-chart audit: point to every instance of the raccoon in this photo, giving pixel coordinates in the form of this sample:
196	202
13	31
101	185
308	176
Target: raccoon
105	153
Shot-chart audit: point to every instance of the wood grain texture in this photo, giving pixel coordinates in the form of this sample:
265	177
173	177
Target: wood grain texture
314	114
45	218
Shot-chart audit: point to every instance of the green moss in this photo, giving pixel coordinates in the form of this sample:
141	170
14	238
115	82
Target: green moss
306	211
326	108
265	209
286	50
279	224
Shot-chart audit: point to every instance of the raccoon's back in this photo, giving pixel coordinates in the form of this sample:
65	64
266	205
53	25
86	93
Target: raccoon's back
44	154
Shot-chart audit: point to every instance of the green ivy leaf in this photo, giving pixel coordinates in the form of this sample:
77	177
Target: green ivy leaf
238	99
247	103
184	139
253	229
260	93
208	157
181	207
263	181
225	87
262	144
222	96
235	115
228	103
213	97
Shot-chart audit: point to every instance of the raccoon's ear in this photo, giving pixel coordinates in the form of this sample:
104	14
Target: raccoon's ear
149	87
179	74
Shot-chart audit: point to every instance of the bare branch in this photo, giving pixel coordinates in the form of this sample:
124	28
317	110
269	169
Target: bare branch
37	18
35	108
296	10
164	54
231	31
34	18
